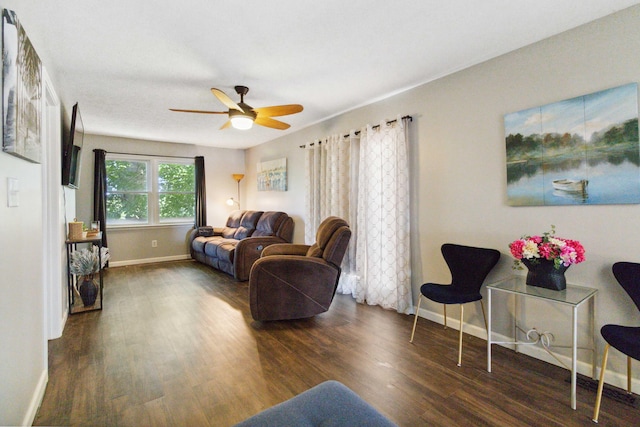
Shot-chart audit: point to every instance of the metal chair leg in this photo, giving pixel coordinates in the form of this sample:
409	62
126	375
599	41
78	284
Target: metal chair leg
460	340
628	374
444	306
415	321
596	409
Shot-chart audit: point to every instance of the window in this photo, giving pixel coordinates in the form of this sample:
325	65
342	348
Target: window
149	191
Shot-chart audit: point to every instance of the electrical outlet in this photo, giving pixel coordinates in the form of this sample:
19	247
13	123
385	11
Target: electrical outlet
154	243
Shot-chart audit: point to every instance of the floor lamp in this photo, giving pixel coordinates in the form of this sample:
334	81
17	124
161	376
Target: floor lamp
231	201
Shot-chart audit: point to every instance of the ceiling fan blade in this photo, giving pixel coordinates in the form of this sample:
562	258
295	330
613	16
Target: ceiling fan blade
278	110
271	123
225	99
197	111
225	125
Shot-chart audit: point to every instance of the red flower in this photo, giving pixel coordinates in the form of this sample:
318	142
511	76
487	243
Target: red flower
516	248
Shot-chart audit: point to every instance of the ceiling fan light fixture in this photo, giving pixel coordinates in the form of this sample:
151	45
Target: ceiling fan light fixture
242	120
242	123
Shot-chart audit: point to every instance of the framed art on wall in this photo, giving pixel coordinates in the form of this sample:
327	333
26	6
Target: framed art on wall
583	150
272	175
21	91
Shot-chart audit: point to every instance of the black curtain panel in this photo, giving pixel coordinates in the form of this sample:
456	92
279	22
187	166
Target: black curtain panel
100	192
201	193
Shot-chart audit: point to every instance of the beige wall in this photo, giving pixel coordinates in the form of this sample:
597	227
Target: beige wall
134	245
22	332
459	174
23	351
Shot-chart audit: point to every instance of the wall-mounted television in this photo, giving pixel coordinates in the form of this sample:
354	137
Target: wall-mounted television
72	150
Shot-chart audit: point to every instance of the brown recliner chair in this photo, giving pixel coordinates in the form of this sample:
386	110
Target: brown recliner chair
294	281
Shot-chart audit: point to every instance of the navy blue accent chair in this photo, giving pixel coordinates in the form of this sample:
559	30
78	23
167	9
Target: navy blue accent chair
469	267
625	339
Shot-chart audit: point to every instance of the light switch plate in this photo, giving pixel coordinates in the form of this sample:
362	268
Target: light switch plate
13	187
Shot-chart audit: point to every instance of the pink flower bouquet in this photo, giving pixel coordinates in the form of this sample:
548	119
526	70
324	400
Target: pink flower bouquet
534	248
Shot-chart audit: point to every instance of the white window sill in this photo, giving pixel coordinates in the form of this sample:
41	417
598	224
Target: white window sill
148	226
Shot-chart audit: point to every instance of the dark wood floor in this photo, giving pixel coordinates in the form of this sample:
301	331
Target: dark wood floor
175	345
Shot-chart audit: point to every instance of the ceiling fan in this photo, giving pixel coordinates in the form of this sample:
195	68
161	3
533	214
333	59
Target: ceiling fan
243	116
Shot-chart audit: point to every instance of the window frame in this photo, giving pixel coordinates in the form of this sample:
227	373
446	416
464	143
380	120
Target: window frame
152	191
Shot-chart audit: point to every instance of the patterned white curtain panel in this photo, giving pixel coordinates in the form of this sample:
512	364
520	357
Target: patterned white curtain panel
332	190
383	252
363	178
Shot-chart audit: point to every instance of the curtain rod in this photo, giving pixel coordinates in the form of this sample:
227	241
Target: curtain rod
147	155
372	127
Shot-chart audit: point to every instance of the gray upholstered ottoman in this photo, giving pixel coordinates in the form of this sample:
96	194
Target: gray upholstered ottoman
329	404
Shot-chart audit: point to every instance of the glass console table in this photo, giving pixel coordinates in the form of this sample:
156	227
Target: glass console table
573	296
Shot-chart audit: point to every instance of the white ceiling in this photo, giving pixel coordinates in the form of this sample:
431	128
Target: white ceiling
128	61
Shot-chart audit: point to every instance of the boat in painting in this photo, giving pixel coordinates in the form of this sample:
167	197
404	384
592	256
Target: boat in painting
571	185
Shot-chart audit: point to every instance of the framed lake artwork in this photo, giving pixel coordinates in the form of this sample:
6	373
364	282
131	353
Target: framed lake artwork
580	151
272	175
21	91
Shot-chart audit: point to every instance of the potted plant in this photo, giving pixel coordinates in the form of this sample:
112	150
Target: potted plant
85	263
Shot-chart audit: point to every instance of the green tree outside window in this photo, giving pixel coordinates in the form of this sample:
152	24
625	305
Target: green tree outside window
149	192
176	188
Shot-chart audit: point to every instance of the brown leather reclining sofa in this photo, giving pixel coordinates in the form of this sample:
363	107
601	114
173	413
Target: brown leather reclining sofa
235	247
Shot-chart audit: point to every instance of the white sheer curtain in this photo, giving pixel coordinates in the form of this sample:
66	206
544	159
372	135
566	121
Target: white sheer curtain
383	251
365	180
331	190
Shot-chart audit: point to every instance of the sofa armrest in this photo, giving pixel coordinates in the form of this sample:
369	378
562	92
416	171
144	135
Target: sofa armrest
192	235
285	249
247	252
217	231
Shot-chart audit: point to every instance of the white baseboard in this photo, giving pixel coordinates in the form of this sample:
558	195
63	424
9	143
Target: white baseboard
149	260
56	332
613	378
36	400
